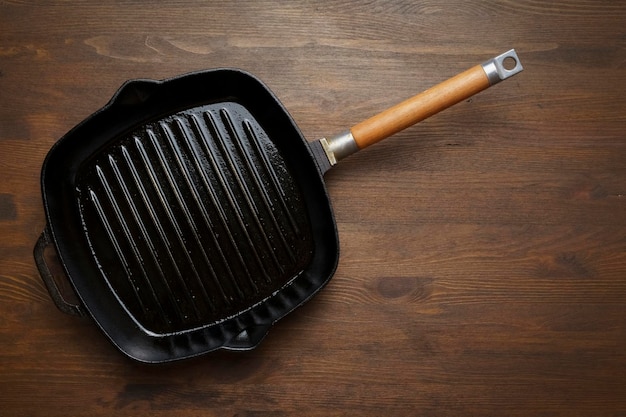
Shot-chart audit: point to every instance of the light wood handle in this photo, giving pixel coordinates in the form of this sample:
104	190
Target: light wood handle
421	106
418	108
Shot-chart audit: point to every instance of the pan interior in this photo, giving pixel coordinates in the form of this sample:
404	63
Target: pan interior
194	217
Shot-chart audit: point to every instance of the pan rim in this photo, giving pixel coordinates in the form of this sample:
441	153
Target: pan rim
131	95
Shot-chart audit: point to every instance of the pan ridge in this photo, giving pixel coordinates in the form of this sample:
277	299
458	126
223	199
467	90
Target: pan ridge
194	217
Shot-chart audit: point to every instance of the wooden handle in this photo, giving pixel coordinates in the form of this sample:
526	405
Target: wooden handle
421	106
418	108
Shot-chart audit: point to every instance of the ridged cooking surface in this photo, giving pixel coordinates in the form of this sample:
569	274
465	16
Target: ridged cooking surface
194	217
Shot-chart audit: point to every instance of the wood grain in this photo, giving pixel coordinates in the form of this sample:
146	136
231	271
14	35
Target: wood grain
483	251
421	106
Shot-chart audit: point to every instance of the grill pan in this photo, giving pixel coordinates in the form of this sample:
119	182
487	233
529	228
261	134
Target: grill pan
190	214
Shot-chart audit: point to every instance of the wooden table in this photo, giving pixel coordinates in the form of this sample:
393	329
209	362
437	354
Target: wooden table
483	252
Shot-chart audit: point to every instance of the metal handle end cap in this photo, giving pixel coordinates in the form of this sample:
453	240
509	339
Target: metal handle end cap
502	67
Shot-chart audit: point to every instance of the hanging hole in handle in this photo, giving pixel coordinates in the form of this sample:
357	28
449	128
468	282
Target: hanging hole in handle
509	63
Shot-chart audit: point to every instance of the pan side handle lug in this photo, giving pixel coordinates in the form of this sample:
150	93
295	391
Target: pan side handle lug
48	279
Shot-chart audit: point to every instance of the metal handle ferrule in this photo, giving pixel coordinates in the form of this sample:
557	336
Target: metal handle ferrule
339	146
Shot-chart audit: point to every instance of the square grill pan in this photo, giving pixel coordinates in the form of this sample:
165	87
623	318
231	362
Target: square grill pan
188	215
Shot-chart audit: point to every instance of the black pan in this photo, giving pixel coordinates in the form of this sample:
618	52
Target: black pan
190	214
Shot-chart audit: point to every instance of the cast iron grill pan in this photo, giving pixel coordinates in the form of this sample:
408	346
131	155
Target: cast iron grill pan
181	226
190	214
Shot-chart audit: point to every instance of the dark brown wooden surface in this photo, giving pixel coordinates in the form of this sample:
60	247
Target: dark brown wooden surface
483	263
